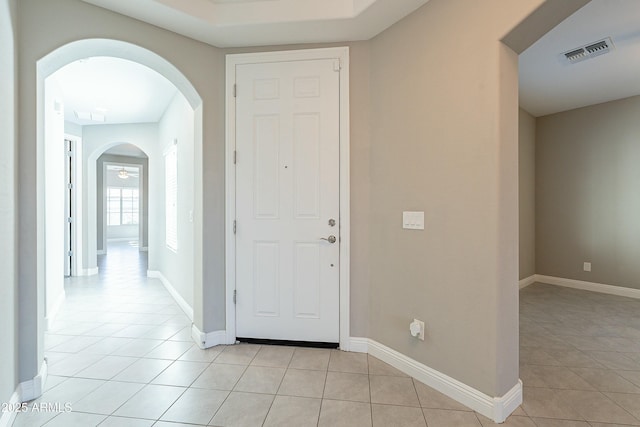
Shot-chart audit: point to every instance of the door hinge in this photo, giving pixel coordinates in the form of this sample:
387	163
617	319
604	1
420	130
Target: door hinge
69	220
235	90
70	253
70	153
337	66
235	157
70	186
235	296
235	223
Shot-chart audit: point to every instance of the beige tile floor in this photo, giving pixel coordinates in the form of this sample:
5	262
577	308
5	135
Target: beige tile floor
120	354
579	357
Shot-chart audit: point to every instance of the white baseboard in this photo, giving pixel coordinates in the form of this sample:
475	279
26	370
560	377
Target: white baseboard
359	345
89	271
32	389
101	252
495	408
7	418
25	392
589	286
51	316
527	281
210	339
188	310
507	404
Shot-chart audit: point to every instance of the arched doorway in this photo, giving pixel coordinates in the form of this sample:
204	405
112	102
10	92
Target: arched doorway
110	48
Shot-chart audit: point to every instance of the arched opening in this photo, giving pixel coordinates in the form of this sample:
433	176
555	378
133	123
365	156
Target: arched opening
180	125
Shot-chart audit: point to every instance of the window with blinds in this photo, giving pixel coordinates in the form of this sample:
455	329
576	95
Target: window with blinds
171	197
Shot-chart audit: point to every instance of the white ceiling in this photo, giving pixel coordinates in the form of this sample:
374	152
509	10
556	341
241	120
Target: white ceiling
234	23
549	85
127	92
120	90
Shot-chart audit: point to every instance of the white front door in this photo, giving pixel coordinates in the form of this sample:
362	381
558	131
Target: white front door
288	200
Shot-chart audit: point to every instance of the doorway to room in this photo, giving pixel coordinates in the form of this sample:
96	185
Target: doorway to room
122	216
122	114
122	213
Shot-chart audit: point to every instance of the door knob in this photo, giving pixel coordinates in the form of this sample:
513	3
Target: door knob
330	239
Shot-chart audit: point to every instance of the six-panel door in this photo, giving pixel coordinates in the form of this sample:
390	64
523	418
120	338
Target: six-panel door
287	175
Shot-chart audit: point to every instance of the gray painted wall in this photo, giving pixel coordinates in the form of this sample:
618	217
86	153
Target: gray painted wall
444	141
8	220
109	158
527	193
44	26
588	193
436	131
176	124
73	129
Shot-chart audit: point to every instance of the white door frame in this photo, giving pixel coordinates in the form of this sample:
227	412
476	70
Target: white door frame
77	203
341	53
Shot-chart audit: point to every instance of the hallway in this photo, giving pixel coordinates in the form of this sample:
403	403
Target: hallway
120	353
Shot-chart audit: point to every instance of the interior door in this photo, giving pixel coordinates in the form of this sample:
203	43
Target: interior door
68	209
288	201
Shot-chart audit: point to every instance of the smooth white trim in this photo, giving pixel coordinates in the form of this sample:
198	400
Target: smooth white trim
230	192
55	309
523	283
144	249
26	391
345	201
121	239
590	286
77	260
90	271
496	408
341	53
507	404
359	345
188	310
7	418
210	339
32	389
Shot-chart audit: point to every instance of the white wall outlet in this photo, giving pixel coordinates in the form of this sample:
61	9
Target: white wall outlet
586	266
413	220
417	329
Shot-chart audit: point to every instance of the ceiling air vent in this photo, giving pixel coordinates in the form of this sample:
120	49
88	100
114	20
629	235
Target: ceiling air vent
576	55
588	51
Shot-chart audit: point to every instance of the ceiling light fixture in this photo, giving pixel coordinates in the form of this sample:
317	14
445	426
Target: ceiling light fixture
123	174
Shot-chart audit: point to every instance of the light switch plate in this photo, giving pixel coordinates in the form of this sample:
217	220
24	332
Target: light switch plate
413	220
